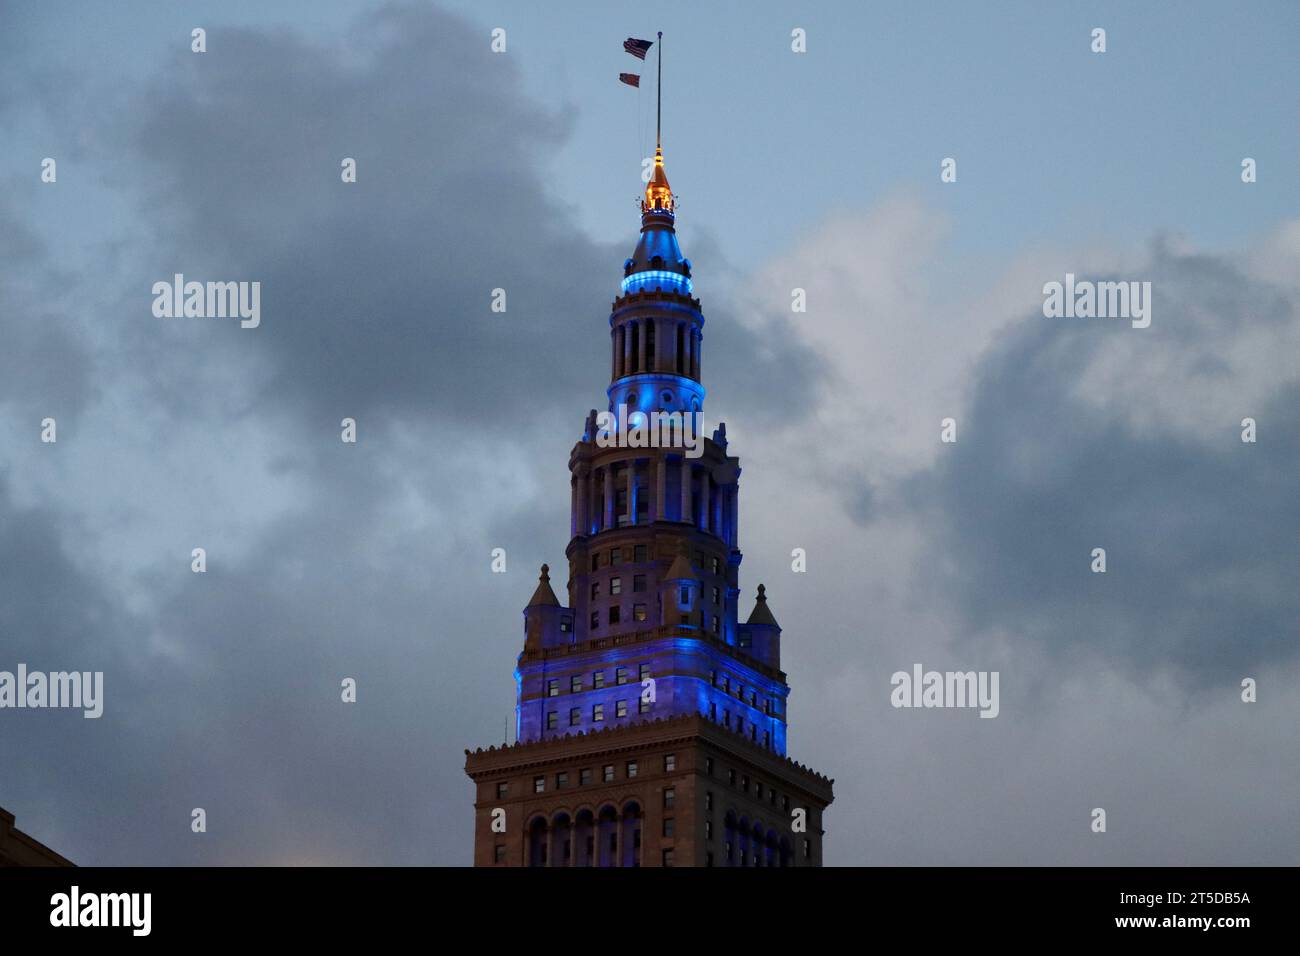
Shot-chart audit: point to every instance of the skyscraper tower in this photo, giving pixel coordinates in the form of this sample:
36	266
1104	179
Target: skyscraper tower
650	722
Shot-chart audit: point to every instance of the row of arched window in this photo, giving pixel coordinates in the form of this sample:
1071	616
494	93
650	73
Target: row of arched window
612	837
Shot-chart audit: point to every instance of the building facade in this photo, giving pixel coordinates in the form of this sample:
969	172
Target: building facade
650	721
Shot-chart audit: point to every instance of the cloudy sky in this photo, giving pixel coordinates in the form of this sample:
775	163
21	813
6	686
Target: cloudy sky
518	170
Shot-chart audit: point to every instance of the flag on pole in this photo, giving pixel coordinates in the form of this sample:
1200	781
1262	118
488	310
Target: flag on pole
638	48
631	79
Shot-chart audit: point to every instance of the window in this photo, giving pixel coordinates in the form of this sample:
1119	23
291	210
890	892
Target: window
670	827
615	585
744	782
641	554
684	620
785	803
607	773
595	560
575	716
503	790
753	699
708	858
598	680
575	683
552	720
539	784
670	763
670	797
771	797
620	675
708	799
758	790
584	777
717	623
726	718
643	672
566	625
713	712
717	566
726	684
631	769
499	853
746	641
561	780
615	614
552	688
685	596
807	849
668	857
708	768
598	712
595	620
642	705
638	612
638	583
620	708
616	554
717	595
595	589
731	777
753	732
767	738
708	829
713	678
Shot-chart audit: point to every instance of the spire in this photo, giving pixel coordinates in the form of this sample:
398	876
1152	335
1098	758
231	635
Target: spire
658	194
761	613
544	594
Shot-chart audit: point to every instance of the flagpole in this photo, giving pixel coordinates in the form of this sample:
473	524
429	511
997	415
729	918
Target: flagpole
659	94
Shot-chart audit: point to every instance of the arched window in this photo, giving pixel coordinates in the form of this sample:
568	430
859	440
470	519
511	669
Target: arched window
630	836
537	842
561	853
584	838
607	837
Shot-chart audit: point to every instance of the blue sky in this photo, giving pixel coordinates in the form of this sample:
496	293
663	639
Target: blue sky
1049	137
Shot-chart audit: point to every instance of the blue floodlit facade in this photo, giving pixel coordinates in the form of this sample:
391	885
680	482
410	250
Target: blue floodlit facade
650	628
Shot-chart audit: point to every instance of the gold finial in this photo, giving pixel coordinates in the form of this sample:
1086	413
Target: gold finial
658	194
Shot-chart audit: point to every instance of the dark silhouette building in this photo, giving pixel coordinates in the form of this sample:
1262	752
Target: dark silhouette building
19	849
650	722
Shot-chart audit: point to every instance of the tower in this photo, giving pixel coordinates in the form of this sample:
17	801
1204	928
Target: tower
650	722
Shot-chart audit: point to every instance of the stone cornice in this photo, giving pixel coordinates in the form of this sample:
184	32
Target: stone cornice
637	736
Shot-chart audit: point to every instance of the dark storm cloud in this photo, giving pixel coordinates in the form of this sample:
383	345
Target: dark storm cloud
1198	527
44	369
377	295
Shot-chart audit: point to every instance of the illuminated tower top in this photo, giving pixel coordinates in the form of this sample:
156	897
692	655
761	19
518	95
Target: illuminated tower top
643	693
658	194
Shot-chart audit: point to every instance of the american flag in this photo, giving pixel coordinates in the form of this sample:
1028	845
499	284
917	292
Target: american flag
637	48
631	79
